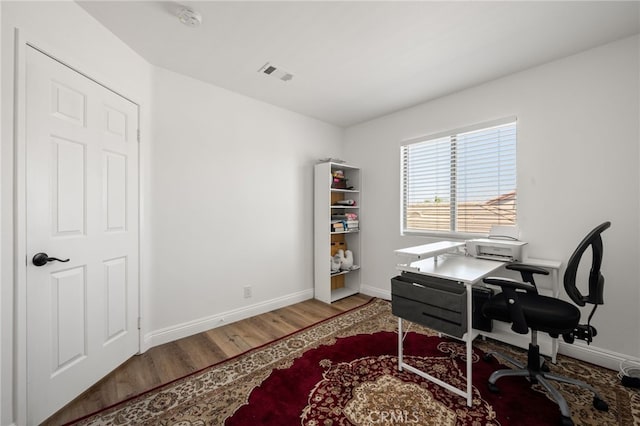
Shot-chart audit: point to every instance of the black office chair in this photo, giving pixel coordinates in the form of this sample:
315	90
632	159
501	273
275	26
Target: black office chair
520	304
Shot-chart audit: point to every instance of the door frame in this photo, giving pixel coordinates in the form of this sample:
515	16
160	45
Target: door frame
22	42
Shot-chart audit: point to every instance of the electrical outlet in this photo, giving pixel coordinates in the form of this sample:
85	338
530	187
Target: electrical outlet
247	291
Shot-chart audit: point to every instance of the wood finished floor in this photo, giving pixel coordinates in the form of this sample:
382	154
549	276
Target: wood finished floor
162	364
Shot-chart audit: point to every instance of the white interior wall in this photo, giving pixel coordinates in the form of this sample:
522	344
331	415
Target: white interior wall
5	308
67	32
232	204
578	162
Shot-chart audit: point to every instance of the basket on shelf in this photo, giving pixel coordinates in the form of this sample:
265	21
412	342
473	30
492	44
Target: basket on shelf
339	183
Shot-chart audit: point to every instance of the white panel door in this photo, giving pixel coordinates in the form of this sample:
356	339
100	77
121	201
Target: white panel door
82	205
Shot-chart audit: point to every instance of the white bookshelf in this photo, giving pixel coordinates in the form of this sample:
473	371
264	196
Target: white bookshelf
330	287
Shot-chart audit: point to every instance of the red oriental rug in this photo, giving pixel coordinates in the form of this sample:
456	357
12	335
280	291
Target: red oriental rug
356	381
343	371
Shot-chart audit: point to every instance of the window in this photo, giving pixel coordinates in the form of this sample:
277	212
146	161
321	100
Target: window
460	182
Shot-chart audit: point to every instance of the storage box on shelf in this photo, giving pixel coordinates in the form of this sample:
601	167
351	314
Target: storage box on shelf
337	227
337	243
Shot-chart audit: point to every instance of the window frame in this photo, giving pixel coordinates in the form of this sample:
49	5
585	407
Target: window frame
432	137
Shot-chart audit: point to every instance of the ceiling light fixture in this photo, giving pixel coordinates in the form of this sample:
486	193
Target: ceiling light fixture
189	17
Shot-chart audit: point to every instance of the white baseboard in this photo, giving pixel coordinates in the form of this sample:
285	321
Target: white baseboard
375	292
169	334
594	355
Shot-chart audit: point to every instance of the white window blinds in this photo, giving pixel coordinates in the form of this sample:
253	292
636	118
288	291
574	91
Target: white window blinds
463	182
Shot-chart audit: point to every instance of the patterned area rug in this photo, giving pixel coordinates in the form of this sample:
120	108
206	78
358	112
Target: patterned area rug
343	371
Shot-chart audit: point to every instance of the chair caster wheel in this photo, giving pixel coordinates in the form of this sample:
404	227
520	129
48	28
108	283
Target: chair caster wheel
599	404
487	357
544	367
566	421
493	387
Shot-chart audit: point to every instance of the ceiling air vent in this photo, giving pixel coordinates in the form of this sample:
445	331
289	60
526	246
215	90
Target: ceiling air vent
275	72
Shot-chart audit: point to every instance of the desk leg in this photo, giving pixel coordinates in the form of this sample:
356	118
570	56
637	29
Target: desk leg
556	294
400	341
469	342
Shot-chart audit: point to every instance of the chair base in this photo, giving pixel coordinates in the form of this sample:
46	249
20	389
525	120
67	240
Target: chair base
535	373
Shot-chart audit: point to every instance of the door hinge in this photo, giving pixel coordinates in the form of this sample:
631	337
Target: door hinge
139	323
138	135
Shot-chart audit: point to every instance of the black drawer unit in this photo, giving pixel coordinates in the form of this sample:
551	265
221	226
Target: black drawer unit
435	303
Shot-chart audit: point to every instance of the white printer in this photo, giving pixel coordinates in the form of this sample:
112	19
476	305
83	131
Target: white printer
495	249
502	244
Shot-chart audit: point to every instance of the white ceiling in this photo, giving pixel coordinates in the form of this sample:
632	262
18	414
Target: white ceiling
354	61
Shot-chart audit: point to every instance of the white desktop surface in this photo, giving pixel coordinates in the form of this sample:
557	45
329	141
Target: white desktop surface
455	267
428	250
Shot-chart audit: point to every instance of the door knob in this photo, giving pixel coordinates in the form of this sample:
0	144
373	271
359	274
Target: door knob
41	259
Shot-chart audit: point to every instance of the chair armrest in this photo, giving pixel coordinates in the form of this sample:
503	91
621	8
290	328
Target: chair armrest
509	287
510	283
527	271
523	267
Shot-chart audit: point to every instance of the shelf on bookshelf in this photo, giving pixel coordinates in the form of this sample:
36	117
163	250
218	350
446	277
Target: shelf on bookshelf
356	191
335	274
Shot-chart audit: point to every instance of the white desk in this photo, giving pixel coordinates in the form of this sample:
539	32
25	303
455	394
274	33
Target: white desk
454	267
441	260
464	270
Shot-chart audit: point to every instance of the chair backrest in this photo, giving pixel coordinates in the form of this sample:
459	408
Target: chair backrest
596	280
